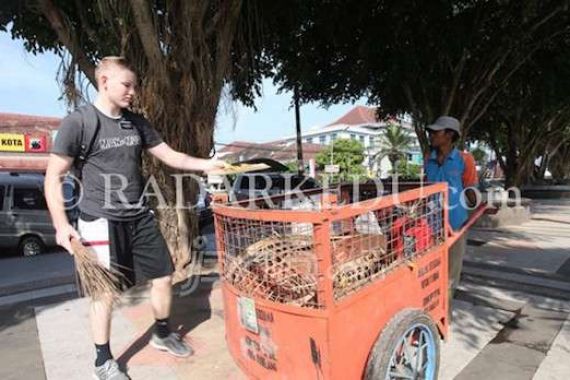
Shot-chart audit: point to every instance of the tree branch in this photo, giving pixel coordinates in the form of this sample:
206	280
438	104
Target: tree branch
147	35
455	83
67	37
225	37
546	18
85	24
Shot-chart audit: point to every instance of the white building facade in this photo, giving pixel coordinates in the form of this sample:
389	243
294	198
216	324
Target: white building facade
361	124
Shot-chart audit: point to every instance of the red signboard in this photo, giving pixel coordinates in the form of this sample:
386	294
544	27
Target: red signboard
36	144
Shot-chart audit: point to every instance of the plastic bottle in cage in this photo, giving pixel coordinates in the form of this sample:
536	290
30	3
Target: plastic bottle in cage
409	246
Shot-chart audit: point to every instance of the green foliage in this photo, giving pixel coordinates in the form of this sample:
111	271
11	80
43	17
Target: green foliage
292	167
425	58
346	153
479	61
408	171
479	155
395	142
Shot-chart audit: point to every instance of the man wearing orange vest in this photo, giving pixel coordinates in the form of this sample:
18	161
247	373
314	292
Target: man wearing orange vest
446	163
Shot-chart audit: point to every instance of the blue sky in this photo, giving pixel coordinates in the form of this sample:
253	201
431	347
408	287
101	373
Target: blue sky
29	86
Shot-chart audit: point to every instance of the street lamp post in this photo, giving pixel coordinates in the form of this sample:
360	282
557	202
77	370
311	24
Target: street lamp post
300	163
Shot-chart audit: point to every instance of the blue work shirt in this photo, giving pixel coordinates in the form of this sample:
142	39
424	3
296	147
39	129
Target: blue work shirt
458	170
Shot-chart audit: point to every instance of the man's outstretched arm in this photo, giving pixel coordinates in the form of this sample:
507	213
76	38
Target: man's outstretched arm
183	161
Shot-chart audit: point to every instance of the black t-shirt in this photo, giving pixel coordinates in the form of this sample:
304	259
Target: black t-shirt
112	177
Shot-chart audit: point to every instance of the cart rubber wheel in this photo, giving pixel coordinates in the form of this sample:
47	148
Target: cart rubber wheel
407	348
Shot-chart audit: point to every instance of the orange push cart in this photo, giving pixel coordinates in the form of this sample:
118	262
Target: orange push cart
344	285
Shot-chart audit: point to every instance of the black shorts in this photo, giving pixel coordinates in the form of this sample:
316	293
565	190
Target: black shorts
136	248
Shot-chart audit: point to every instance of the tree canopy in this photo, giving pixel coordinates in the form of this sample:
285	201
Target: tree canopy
531	117
425	58
462	58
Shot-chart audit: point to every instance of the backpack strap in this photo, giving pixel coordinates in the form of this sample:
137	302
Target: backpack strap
90	125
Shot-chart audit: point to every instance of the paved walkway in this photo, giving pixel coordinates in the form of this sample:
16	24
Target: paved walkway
514	270
198	317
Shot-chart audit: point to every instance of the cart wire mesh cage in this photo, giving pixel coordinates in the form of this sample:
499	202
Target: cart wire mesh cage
270	251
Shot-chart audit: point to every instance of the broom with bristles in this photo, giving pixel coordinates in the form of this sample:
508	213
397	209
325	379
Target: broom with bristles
96	280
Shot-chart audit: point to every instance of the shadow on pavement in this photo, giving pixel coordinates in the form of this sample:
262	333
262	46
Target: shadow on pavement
188	312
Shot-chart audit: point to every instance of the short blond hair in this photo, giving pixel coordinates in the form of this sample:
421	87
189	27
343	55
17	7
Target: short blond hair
111	61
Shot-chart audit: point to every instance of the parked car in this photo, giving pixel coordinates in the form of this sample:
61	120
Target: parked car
255	185
204	210
273	166
25	223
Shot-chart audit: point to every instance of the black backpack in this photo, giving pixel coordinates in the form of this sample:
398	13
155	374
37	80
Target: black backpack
90	125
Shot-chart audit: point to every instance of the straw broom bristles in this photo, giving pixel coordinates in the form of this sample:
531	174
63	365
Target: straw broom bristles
96	280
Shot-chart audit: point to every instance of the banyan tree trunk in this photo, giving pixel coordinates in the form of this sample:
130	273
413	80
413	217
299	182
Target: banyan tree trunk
180	96
179	224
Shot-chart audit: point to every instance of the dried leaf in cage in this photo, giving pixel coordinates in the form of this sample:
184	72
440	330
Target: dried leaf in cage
348	247
354	274
277	268
357	258
278	244
286	264
285	284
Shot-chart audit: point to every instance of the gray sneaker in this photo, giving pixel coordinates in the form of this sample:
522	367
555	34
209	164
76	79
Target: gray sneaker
110	371
172	344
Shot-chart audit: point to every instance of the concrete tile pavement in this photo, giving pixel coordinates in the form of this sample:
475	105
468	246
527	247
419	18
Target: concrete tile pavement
520	348
536	343
504	367
540	245
472	328
555	366
69	354
20	353
202	322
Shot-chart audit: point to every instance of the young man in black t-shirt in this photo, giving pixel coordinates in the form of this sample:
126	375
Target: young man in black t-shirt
114	221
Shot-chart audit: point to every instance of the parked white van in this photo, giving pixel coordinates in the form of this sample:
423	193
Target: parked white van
25	223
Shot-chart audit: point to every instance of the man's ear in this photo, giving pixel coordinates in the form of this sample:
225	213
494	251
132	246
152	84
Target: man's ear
102	81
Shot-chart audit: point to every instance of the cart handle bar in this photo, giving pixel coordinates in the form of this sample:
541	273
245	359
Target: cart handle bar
453	236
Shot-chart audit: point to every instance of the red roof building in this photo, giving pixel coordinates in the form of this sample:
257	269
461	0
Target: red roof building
358	116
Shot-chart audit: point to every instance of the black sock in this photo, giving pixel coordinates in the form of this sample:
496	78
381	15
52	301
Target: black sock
103	354
161	328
